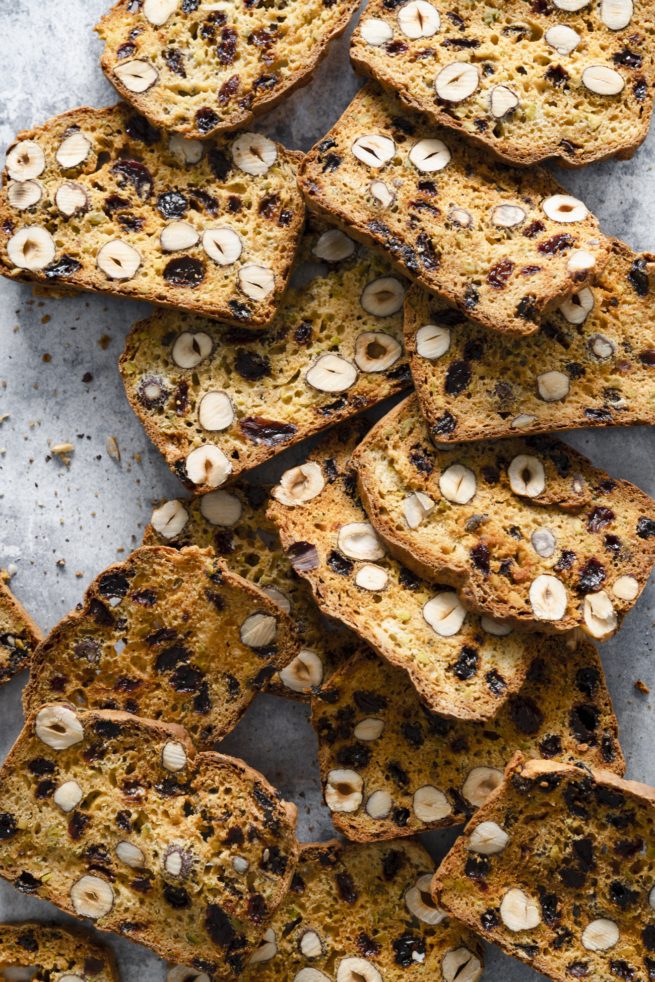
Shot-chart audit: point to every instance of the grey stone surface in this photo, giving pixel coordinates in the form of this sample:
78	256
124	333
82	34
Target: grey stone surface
58	522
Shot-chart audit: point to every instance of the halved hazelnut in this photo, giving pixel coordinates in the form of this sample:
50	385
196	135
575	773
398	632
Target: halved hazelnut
357	970
527	476
371	577
416	508
173	756
25	161
221	508
310	945
138	75
445	614
460	217
502	100
177	861
359	541
382	194
304	673
581	261
600	935
279	599
159	11
461	965
519	912
259	630
432	341
223	245
186	151
178	236
73	150
508	216
626	588
118	260
169	519
68	796
419	19
58	727
376	351
254	154
553	386
92	897
578	307
22	195
603	80
334	246
31	248
331	373
369	729
599	615
601	347
383	297
191	349
457	81
564	208
216	412
208	466
571	5
548	598
543	542
616	14
374	150
299	485
71	199
267	949
343	791
522	421
257	282
430	804
458	484
375	31
430	155
419	902
379	805
562	38
496	628
130	854
480	783
487	839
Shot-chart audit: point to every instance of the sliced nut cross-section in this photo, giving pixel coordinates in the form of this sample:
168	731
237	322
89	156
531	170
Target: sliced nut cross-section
548	598
173	756
553	386
259	630
300	484
600	935
564	208
178	236
376	351
331	373
432	341
376	31
304	673
502	101
92	897
71	199
371	577
223	245
25	161
186	151
58	727
221	508
616	14
603	80
626	588
527	476
73	150
357	970
429	156
68	796
159	11
519	911
334	246
254	154
383	297
22	195
458	484
267	949
343	791
359	541
461	965
169	519
488	839
379	805
479	784
599	615
257	282
118	260
208	466
562	38
578	307
457	81
507	216
130	854
216	412
419	902
137	75
190	350
419	19
31	248
430	804
445	614
416	508
369	729
374	150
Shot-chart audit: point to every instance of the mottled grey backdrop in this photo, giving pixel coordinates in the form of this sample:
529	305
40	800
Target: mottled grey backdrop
57	522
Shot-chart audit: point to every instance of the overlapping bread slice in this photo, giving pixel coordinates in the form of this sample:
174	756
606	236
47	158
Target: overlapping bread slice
527	529
98	199
504	245
359	912
170	635
460	664
592	362
34	950
390	767
217	401
556	870
116	819
565	79
19	635
235	525
200	69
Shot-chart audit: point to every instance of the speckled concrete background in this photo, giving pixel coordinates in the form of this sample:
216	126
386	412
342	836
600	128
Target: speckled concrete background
58	382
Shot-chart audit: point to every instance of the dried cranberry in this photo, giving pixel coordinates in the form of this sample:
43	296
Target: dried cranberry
227	47
499	274
556	244
534	229
267	431
480	558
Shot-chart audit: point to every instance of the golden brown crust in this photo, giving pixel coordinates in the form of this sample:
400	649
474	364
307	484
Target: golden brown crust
19	634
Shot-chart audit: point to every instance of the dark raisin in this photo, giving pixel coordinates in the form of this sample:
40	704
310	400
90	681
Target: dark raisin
445	425
534	229
557	76
340	564
251	365
175	61
266	431
184	271
172	204
640	89
227	47
62	267
369	702
409	949
627	58
622	895
638	277
397	773
413	734
499	274
458	378
135	173
218	926
600	518
346	886
206	120
8	827
355	756
550	746
527	309
647	357
303	556
27	883
228	90
556	244
176	896
525	714
466	666
480	558
591	578
471	297
39	766
646	528
489	920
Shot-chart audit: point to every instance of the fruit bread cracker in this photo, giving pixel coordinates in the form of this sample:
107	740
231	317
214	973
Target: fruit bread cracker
36	951
504	245
19	635
555	869
390	767
170	635
528	531
217	401
98	199
235	525
116	819
571	79
463	666
200	69
592	362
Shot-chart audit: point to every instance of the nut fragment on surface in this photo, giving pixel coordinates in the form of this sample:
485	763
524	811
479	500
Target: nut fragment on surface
578	307
259	630
457	81
223	245
118	260
299	485
25	160
343	791
257	282
68	796
432	341
137	75
419	902
130	854
371	577
173	756
221	508
369	729
519	911
548	598
507	216
159	11
458	484
527	476
208	466
487	839
359	541
71	199
304	673
581	261
626	588
496	628
445	614
602	347
461	965
460	217
334	246
266	950
216	412
480	783
22	195
191	349
564	208
416	508
254	154
31	248
58	727
357	970
374	150
92	897
543	542
73	150
603	80
562	38
169	519
616	14
502	100
376	31
419	19
186	151
178	236
379	805
382	193
600	935
279	599
310	945
553	386
383	297
331	373
600	615
430	804
376	351
430	156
